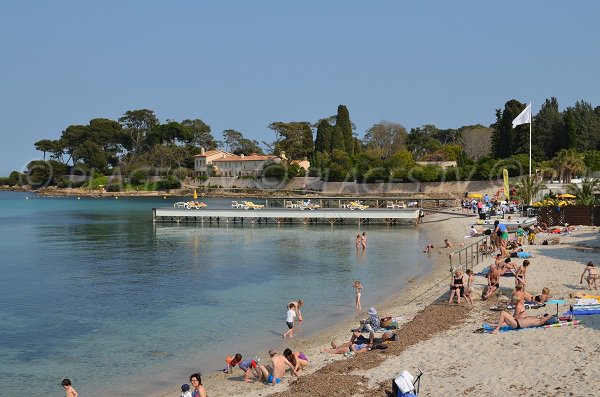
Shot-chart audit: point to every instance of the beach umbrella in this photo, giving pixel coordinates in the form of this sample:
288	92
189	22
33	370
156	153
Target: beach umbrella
475	195
195	195
566	195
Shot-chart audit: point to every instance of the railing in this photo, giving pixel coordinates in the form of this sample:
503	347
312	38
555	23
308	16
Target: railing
469	256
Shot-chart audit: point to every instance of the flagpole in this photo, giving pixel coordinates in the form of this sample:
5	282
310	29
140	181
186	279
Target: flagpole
530	123
530	180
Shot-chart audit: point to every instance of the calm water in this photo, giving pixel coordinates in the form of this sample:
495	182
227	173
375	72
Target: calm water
90	289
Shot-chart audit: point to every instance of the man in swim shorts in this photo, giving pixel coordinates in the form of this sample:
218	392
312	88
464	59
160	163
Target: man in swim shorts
279	363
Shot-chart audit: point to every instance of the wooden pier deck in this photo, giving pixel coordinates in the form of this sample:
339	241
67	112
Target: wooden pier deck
329	216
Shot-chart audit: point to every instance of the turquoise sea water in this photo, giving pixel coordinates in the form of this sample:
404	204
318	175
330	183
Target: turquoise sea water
92	290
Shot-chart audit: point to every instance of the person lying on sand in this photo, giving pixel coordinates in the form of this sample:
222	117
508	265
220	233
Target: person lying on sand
524	322
358	338
354	348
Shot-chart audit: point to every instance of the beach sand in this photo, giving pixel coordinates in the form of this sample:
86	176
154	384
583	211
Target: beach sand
441	342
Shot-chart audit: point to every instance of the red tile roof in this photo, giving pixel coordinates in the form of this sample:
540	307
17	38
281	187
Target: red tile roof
253	157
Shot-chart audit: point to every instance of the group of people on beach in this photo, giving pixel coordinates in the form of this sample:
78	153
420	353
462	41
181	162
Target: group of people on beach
361	241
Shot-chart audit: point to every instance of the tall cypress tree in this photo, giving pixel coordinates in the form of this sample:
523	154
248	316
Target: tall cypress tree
507	141
345	127
323	140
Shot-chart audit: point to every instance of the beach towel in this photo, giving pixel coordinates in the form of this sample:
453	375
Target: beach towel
487	328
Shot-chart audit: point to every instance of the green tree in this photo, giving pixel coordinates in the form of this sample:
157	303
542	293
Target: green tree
45	173
201	134
294	139
91	154
399	164
549	134
506	140
571	127
344	125
237	144
569	163
137	125
385	138
44	145
587	121
421	141
528	187
591	158
586	194
324	136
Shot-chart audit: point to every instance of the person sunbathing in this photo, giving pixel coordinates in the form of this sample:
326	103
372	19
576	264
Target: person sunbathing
493	282
358	338
524	322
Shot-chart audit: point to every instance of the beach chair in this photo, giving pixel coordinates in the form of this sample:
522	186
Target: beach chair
235	204
180	204
390	204
289	204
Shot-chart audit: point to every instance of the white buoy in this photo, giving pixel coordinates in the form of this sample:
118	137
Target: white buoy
78	198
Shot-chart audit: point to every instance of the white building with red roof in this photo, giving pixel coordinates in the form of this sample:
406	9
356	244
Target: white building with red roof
251	165
205	158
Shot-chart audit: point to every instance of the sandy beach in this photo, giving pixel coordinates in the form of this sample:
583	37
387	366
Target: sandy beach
440	339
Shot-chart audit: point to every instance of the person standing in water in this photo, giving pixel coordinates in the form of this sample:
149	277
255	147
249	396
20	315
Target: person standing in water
357	288
363	240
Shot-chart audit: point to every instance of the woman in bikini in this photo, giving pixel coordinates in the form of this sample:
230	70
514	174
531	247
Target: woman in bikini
592	275
523	322
298	359
357	288
520	274
457	286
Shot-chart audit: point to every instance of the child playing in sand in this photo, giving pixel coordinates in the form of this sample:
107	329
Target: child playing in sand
232	362
69	390
185	390
290	315
592	275
357	288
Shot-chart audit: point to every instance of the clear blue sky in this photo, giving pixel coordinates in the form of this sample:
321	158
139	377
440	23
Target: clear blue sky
245	64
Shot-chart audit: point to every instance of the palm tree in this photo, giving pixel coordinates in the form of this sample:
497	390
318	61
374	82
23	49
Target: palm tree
569	163
528	188
585	194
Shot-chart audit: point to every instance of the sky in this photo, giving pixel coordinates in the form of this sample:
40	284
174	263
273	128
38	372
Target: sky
245	64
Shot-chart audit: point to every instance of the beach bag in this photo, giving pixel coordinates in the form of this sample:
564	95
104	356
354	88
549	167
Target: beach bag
403	386
385	322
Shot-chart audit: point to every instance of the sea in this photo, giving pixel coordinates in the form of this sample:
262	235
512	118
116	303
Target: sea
92	290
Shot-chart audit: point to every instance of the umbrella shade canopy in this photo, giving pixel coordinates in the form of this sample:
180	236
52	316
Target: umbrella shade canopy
566	195
475	195
195	194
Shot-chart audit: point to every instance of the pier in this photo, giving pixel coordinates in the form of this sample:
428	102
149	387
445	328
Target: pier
331	216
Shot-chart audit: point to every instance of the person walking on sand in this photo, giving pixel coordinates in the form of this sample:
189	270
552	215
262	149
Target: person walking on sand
297	305
363	240
357	288
592	275
69	389
290	315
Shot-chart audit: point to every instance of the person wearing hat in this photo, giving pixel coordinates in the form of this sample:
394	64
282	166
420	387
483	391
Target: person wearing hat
372	322
185	390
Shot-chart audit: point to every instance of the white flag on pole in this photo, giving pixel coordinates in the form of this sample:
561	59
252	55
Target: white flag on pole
524	117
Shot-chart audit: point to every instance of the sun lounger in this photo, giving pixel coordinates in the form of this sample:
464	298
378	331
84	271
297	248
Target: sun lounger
235	204
249	205
194	205
179	204
356	205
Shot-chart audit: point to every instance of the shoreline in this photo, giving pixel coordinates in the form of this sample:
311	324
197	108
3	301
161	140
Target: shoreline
420	293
